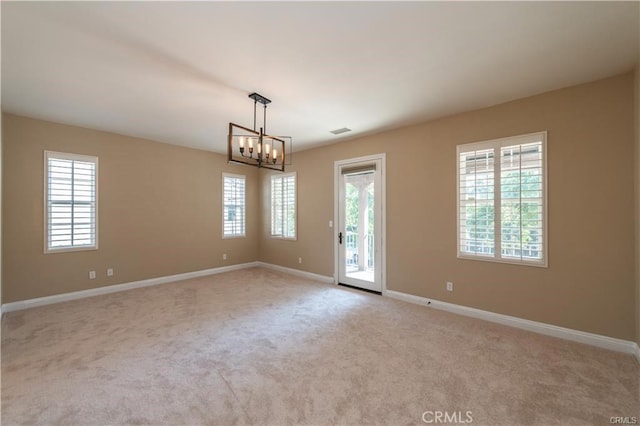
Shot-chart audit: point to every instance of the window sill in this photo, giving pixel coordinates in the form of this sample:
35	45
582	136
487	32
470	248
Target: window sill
538	264
69	249
231	237
275	237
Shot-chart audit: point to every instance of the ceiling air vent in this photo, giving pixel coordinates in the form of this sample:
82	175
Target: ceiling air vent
340	131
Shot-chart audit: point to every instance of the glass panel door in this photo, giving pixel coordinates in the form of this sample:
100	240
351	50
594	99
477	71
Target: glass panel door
359	248
359	226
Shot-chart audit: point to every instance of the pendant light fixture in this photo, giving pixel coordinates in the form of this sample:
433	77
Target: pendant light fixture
255	147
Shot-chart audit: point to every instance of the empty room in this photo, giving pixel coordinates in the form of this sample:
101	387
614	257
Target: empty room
320	213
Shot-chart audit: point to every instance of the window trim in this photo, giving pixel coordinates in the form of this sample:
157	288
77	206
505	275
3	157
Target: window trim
496	144
244	216
295	207
76	157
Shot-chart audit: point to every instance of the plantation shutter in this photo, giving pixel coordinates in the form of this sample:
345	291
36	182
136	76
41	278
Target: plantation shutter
476	202
502	200
283	205
233	205
71	201
522	202
276	206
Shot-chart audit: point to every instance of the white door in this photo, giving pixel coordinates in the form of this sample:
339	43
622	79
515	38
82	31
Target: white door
359	224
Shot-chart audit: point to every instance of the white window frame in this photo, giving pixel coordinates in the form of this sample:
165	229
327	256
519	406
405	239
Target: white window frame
244	205
295	206
71	157
496	144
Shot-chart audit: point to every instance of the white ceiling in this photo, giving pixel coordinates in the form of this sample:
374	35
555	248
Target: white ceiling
179	72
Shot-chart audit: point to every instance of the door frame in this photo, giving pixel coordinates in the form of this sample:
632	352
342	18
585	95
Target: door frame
337	166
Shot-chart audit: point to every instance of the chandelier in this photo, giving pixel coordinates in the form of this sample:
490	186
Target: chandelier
256	148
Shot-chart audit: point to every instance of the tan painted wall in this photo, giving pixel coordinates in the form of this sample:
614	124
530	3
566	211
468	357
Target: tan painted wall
637	177
637	118
589	284
160	209
1	210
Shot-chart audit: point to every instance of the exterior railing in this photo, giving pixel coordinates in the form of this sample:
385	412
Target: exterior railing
352	252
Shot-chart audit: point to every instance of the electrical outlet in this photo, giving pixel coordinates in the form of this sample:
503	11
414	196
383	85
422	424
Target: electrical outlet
449	286
330	224
92	275
299	260
224	256
109	272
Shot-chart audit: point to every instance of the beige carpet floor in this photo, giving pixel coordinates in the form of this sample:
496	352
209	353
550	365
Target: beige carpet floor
265	348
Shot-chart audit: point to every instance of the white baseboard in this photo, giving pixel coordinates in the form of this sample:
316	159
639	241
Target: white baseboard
637	353
304	274
605	342
47	300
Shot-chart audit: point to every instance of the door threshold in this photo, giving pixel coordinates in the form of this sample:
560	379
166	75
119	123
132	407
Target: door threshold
379	293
